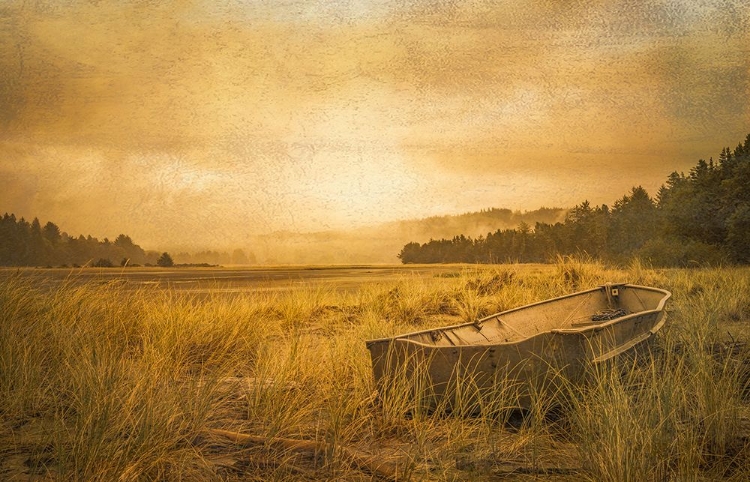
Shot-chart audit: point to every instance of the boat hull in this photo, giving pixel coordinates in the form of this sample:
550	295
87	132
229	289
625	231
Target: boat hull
520	351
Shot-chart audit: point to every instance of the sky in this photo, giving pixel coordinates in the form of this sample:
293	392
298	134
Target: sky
203	123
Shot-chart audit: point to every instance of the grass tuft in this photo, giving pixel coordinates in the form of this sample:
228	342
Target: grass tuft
101	381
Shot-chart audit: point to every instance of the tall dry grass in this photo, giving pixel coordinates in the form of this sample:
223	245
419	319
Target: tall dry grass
106	382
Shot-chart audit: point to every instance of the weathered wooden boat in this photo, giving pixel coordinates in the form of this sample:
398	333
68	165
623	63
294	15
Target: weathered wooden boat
563	335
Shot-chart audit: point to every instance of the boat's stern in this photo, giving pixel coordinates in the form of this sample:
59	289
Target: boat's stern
379	355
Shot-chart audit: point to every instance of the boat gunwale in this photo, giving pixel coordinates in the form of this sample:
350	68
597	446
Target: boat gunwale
558	331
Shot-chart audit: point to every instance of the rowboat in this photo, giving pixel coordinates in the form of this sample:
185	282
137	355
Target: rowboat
562	336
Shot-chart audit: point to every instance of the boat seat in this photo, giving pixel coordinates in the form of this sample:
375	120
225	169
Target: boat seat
586	323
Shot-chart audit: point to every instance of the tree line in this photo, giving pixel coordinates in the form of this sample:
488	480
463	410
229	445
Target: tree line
24	243
700	218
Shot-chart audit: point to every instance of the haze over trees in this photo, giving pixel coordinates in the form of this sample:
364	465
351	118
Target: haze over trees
30	244
24	243
165	260
381	243
702	217
699	218
474	223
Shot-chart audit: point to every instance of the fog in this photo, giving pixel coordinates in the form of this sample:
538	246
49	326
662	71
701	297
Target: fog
382	243
211	125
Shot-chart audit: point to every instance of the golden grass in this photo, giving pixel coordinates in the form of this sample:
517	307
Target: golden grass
104	382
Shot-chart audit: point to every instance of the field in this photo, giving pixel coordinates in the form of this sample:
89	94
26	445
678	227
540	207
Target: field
262	374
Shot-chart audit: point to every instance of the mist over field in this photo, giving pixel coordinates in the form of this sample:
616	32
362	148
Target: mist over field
382	243
203	125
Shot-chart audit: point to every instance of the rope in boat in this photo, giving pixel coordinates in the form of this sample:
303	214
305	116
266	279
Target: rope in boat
606	315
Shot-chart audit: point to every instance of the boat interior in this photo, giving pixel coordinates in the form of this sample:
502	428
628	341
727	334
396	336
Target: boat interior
576	312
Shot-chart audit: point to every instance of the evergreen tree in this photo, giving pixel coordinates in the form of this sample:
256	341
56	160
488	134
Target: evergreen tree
701	218
165	261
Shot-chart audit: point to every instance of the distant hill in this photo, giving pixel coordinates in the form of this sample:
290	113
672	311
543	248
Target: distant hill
474	224
31	244
381	243
698	219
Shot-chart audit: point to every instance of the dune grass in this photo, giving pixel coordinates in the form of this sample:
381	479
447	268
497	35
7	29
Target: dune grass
104	382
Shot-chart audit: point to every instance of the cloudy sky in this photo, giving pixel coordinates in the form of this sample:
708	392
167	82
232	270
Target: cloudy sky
216	120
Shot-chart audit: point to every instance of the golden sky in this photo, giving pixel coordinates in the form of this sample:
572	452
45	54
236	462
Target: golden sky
216	120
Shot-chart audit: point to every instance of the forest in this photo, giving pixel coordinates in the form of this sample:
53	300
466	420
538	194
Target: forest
702	218
24	243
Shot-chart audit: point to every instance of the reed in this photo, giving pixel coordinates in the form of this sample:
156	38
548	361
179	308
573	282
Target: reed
101	381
